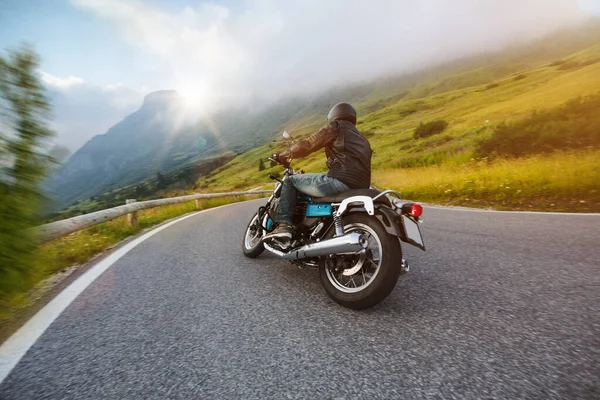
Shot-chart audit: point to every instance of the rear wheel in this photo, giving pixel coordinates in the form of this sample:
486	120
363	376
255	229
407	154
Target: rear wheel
252	244
365	279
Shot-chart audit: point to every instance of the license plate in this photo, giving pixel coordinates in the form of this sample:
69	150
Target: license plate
412	232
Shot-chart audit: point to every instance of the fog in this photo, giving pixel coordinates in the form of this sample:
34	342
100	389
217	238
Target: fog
268	48
239	52
82	110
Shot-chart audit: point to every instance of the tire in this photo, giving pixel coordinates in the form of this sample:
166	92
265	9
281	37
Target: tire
382	281
250	249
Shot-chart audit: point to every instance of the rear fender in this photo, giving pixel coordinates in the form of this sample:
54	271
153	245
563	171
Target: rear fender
395	225
388	218
391	221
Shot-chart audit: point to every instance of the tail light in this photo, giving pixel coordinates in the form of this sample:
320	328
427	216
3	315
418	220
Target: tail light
416	210
412	209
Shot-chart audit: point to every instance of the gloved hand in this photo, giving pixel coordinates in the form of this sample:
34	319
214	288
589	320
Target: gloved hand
281	158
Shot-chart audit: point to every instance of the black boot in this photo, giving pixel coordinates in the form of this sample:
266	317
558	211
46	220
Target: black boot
282	235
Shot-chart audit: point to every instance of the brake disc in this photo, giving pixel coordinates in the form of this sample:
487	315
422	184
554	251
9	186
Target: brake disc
362	256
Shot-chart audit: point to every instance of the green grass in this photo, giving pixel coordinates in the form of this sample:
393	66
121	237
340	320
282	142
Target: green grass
559	182
81	246
473	108
576	125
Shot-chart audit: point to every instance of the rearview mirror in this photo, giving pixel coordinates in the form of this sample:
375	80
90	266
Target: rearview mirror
286	135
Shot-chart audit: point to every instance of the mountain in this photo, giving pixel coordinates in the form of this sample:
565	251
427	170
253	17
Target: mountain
162	137
140	144
159	137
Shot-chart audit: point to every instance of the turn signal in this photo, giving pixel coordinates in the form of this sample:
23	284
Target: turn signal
416	210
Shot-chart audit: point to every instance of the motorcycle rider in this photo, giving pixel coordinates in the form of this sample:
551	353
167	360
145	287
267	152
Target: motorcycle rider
348	160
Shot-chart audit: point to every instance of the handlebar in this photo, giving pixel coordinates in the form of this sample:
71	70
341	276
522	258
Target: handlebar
285	162
281	161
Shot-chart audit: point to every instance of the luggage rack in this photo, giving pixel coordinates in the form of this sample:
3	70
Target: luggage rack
386	192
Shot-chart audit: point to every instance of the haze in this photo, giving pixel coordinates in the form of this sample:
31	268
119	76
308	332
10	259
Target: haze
100	57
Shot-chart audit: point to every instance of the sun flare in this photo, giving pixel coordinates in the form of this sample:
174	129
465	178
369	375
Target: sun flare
194	93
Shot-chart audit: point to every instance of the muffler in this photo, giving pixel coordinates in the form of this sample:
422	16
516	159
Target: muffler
346	244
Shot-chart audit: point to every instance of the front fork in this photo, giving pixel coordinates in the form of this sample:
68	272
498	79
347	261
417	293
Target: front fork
263	211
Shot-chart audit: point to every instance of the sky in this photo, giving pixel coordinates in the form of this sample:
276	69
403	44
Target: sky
100	57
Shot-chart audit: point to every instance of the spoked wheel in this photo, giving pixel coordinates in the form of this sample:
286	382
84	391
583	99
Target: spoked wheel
362	280
252	243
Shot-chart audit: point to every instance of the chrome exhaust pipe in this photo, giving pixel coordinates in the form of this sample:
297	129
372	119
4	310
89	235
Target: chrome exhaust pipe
346	244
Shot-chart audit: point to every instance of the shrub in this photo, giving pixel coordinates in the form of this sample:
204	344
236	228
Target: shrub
575	125
430	128
519	77
491	86
577	64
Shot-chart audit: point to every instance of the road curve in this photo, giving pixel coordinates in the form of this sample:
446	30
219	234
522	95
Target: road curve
500	306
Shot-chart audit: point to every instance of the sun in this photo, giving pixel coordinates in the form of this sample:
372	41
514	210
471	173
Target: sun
195	93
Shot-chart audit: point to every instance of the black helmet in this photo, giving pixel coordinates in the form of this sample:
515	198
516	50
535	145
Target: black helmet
343	111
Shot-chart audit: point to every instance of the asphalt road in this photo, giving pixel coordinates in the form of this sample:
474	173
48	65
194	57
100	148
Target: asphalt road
500	306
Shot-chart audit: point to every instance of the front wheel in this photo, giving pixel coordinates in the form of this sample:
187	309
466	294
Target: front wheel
362	280
252	244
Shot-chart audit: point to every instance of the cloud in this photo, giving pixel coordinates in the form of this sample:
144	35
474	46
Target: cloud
267	48
62	83
83	110
208	45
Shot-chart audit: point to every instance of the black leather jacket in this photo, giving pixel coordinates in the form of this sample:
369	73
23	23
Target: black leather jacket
348	153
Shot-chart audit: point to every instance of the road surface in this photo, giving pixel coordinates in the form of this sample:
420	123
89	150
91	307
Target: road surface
502	305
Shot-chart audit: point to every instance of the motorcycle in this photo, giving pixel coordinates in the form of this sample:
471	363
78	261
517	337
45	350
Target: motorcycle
352	238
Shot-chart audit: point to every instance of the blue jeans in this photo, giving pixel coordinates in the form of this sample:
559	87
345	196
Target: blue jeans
315	185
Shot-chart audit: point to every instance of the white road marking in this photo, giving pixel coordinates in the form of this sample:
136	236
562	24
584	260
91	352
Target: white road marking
13	349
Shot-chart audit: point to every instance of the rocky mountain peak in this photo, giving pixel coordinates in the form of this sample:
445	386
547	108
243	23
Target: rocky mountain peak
161	98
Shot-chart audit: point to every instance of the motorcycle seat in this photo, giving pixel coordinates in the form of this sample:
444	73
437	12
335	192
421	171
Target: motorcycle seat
337	198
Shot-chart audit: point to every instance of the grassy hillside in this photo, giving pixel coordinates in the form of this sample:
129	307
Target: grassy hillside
473	113
472	95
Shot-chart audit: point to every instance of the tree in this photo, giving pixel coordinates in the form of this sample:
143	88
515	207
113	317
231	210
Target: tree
24	140
161	181
187	177
261	165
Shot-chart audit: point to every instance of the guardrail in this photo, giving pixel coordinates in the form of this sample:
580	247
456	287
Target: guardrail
54	230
